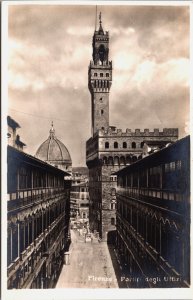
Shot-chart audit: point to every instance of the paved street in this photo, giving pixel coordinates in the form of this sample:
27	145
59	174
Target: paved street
90	265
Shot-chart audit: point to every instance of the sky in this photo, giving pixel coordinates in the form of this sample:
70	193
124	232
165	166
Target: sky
50	47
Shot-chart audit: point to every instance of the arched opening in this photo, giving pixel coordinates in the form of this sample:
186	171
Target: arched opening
133	145
116	160
101	52
142	144
105	160
124	145
122	160
110	160
128	160
106	145
134	158
115	145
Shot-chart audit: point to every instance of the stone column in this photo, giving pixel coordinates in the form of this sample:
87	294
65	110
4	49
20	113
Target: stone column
32	228
18	237
11	243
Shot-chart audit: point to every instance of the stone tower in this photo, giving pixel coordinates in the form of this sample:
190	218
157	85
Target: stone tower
100	79
110	149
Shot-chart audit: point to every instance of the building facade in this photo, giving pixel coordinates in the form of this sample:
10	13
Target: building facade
38	221
79	201
13	137
110	149
153	218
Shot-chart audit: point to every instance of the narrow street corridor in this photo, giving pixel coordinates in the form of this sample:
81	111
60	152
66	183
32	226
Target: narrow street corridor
90	265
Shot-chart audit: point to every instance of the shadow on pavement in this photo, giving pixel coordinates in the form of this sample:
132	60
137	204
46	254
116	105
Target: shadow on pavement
117	268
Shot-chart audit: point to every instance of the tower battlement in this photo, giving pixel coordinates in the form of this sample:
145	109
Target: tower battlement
138	133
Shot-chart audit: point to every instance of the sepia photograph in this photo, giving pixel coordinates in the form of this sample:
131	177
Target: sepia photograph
96	137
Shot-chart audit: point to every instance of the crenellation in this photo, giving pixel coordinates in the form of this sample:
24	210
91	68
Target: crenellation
170	131
146	131
156	132
128	131
139	133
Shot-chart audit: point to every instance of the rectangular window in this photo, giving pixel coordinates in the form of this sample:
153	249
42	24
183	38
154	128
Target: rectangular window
178	165
167	168
112	221
172	166
101	74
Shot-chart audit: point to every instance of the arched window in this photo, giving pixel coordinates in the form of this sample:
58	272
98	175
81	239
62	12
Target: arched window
124	145
105	160
116	160
122	160
142	143
102	111
106	145
133	145
110	160
115	145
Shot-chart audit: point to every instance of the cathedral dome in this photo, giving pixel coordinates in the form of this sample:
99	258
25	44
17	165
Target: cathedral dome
54	152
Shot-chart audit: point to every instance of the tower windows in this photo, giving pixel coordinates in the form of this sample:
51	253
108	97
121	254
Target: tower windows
113	206
124	145
133	145
112	221
101	99
142	143
107	74
106	145
115	145
102	112
101	74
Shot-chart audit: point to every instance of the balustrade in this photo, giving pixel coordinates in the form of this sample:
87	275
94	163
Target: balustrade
26	197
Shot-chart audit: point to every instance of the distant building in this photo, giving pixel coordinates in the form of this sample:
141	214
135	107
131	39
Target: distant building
153	218
54	152
13	137
79	197
110	149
